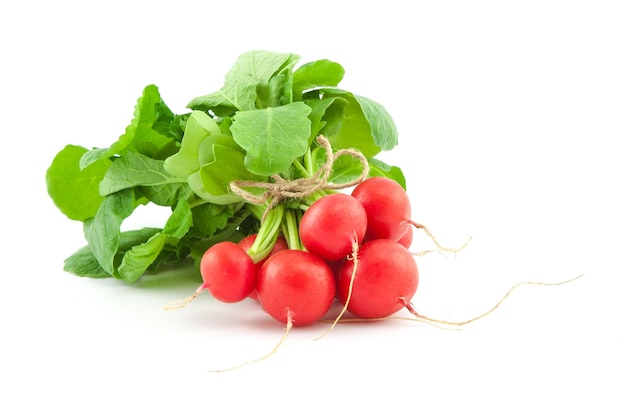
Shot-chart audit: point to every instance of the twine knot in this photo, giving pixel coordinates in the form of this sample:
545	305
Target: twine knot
281	189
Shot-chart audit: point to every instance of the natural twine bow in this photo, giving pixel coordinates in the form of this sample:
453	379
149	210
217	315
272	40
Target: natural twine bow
281	188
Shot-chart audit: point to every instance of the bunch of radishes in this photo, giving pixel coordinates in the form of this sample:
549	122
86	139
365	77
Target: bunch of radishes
355	249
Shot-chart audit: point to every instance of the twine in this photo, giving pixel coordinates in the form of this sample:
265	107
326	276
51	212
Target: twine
281	189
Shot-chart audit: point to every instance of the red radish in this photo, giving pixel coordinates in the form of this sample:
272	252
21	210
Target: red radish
247	242
385	279
296	285
387	206
228	272
389	211
331	224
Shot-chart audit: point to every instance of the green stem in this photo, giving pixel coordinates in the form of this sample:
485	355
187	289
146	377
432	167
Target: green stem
308	162
285	232
256	210
303	170
290	229
267	234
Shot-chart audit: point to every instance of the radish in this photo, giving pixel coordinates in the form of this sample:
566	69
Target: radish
295	287
247	242
330	226
387	206
383	283
389	212
228	272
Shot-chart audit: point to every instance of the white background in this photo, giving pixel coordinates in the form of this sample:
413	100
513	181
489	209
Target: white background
512	126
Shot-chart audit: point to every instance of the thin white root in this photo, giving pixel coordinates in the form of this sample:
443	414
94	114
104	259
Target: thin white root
412	310
432	237
355	262
184	302
417	319
288	327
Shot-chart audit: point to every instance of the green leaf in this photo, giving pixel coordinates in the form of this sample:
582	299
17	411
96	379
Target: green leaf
383	128
252	70
166	194
212	181
380	169
139	258
180	221
103	231
239	95
208	218
75	191
206	151
134	170
169	255
345	169
230	231
135	251
325	116
95	155
276	92
365	124
321	73
145	134
84	264
272	138
184	163
132	238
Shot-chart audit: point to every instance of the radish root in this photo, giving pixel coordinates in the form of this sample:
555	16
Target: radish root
354	257
411	308
432	237
418	319
185	301
288	327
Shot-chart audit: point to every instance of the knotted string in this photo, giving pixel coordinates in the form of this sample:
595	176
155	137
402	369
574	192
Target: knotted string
281	188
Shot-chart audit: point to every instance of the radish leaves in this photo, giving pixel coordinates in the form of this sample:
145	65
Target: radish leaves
262	122
273	137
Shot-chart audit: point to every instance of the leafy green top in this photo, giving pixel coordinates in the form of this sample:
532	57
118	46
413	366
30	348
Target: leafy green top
261	123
